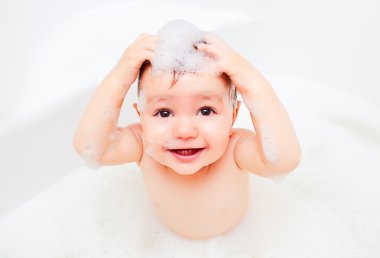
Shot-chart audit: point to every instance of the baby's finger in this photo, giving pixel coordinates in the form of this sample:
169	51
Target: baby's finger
211	38
144	35
148	55
150	45
208	49
146	38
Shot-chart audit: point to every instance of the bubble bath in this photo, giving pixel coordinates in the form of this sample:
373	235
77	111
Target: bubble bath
328	207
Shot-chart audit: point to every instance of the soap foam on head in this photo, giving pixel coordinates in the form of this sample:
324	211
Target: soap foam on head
176	50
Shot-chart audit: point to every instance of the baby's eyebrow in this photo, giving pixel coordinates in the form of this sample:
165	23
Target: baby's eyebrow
201	96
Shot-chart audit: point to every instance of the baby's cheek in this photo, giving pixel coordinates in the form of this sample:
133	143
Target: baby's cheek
150	136
218	132
216	126
153	129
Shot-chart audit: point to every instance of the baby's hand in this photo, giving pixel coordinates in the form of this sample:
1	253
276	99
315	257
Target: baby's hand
133	57
241	72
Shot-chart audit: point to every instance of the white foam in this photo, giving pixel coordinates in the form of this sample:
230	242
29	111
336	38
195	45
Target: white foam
269	145
328	207
91	155
110	114
175	50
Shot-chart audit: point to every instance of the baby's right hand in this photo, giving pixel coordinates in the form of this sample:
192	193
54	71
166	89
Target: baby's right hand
133	57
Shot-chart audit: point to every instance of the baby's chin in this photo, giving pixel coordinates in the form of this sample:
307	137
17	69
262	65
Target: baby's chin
185	169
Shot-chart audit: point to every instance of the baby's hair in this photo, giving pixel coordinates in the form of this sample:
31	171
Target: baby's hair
178	74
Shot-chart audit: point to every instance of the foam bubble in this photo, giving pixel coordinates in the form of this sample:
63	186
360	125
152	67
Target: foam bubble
269	145
91	155
176	52
110	114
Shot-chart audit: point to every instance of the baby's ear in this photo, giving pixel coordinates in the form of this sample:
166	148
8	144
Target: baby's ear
236	111
135	107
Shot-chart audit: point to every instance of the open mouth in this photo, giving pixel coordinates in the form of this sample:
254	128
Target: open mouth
186	155
186	152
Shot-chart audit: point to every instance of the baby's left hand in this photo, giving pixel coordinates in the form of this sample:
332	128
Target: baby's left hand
242	73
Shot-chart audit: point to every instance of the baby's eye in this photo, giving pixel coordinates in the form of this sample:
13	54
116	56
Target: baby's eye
206	111
163	113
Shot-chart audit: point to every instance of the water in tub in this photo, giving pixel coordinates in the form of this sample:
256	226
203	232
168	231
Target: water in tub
328	207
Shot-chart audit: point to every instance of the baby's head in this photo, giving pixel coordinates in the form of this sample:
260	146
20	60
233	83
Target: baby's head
186	109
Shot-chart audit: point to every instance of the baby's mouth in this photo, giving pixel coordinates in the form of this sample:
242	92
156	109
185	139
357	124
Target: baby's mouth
186	155
186	152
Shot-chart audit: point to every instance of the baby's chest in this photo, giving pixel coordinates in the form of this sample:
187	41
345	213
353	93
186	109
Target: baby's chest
222	188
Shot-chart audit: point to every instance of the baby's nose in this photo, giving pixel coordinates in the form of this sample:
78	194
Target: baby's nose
185	128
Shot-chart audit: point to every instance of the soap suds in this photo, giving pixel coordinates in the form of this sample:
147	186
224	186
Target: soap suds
91	155
270	147
110	114
176	50
306	212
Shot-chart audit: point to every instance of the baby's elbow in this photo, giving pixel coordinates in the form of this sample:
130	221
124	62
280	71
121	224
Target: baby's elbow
293	164
75	144
285	167
294	160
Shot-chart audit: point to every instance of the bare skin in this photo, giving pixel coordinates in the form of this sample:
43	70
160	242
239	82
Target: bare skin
208	195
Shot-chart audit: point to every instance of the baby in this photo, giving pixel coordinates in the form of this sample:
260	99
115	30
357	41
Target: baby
194	164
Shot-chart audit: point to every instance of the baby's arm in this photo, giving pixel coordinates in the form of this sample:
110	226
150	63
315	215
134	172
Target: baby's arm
274	148
275	143
98	139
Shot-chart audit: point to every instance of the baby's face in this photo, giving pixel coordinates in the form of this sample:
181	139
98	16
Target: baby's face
195	113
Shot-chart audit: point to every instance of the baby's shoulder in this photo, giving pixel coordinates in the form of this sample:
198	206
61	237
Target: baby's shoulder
237	133
136	129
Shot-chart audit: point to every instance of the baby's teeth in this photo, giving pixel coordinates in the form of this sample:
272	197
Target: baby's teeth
186	152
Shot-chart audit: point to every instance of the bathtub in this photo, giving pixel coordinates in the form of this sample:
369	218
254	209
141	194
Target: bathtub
322	60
